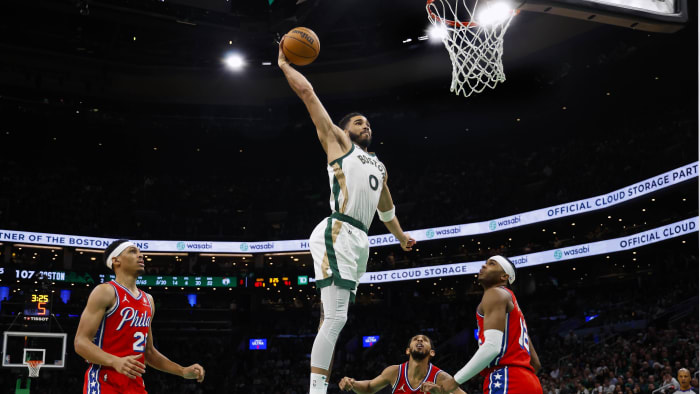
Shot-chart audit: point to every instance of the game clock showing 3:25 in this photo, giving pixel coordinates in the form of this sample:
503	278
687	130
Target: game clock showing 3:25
37	304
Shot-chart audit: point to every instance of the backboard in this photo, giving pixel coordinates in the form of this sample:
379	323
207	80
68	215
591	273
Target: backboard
661	16
18	347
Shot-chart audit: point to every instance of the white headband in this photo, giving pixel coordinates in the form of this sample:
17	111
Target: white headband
117	251
507	267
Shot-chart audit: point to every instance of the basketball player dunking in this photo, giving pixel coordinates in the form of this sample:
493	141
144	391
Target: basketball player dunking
506	358
404	377
114	334
339	244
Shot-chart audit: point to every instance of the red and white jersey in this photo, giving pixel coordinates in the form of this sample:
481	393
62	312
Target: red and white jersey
403	385
515	348
123	332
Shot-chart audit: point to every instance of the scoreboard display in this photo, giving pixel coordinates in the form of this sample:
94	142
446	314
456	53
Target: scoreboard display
246	280
183	281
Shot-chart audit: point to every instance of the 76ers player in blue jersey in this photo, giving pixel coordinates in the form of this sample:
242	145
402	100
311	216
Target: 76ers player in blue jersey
407	377
506	358
114	334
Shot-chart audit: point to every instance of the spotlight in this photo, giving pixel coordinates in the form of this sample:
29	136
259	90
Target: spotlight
234	62
494	13
437	33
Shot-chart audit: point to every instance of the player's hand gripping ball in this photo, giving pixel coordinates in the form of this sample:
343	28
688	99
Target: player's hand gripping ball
300	46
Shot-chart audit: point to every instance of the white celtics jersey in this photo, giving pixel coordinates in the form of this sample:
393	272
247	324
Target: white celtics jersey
356	181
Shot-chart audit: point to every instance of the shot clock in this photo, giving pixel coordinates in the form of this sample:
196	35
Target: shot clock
37	304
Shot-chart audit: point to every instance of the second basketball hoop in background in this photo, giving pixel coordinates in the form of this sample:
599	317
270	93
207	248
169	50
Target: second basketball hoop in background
301	46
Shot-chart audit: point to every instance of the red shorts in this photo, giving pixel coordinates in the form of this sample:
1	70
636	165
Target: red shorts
512	380
101	380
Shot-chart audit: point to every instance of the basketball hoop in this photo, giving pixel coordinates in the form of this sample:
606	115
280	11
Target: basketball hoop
473	36
34	366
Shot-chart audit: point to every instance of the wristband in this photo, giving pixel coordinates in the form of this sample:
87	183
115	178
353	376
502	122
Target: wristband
388	215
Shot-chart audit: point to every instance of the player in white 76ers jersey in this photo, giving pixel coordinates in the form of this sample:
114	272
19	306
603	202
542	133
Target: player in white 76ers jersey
114	334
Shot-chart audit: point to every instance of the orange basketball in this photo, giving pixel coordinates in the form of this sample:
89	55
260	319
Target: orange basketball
301	46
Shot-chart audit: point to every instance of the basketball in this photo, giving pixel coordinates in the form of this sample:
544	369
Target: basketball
301	46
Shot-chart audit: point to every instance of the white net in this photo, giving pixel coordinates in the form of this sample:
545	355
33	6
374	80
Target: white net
472	32
34	367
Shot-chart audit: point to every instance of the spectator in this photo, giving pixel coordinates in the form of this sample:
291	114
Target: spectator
670	380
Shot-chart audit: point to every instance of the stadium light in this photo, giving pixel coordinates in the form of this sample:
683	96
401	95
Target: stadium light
234	62
437	33
494	13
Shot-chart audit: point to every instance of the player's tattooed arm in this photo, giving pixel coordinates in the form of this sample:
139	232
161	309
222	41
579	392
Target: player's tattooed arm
444	383
387	377
445	387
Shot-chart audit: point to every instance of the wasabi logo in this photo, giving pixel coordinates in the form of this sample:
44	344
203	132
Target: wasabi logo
259	246
573	252
430	233
448	231
194	245
244	247
513	220
519	260
557	254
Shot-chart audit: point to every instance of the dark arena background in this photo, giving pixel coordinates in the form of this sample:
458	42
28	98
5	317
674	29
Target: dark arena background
121	119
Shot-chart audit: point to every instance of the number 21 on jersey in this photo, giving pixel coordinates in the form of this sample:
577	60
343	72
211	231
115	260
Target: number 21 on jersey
140	342
524	340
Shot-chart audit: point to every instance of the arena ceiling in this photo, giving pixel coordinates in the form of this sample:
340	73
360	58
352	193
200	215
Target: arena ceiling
178	33
139	42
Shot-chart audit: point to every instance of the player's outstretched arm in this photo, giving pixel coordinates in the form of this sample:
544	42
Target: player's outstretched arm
334	140
370	386
387	215
158	361
102	298
494	304
444	383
